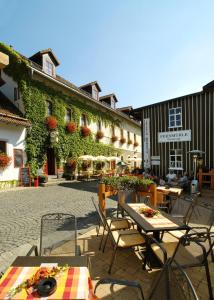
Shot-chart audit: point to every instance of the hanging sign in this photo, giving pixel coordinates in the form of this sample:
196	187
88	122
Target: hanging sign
174	136
146	143
155	160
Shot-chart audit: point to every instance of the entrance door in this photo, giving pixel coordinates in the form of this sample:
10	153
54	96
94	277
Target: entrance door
51	161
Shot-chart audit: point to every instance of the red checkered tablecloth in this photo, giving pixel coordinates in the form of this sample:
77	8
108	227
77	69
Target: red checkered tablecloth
73	283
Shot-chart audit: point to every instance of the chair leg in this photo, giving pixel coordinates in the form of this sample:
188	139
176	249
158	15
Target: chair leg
209	284
98	230
112	259
105	242
102	239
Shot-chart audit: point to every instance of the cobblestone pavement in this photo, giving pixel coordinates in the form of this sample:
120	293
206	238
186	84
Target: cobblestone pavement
21	210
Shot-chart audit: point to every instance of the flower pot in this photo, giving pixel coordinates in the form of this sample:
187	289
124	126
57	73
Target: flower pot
36	181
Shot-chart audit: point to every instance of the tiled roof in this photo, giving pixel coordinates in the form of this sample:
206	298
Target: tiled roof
10	114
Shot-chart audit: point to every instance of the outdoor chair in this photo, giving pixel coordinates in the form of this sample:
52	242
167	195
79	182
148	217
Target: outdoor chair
192	250
172	283
114	223
58	236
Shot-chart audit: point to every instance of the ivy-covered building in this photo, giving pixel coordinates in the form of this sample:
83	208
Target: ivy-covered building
66	121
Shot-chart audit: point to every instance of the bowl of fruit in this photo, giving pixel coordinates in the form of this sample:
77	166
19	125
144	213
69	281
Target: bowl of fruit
148	212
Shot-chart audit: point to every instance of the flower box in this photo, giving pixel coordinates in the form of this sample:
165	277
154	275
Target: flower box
114	138
129	142
71	127
4	160
85	131
51	122
122	140
136	144
99	135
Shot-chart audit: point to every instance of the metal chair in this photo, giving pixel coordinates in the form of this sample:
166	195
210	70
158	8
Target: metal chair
114	223
172	283
58	235
192	250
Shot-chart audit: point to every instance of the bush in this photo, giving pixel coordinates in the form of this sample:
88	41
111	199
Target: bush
51	122
43	178
85	131
71	127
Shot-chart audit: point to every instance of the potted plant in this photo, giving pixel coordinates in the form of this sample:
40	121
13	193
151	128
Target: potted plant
143	185
136	144
51	122
85	131
70	168
99	135
5	160
129	142
43	178
126	188
71	127
114	138
122	140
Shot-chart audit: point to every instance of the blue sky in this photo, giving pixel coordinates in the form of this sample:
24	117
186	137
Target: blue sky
143	51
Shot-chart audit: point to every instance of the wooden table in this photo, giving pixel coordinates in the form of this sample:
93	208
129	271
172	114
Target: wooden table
170	190
156	224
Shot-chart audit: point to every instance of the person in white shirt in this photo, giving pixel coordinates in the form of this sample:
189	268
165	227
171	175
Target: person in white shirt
171	176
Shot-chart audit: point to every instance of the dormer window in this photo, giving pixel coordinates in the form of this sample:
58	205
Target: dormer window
49	68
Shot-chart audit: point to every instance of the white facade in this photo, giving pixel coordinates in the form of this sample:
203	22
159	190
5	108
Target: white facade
14	136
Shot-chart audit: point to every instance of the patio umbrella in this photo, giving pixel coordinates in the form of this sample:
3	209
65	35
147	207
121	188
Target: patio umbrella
121	164
101	158
87	157
112	158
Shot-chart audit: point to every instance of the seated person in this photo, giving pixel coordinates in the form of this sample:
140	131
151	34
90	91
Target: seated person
183	181
162	181
171	177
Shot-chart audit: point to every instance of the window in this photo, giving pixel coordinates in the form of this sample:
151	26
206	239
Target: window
112	130
18	158
175	117
3	147
49	68
16	94
49	108
113	103
121	133
135	137
83	120
176	160
68	115
128	135
99	127
95	94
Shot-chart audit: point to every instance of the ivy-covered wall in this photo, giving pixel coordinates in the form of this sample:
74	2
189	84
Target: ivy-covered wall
34	95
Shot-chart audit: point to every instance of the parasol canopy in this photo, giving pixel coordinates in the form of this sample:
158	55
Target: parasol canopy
101	158
112	158
87	157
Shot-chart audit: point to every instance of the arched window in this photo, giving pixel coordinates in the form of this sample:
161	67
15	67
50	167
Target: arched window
83	120
68	115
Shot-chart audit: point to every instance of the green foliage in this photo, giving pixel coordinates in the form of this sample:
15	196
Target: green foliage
34	95
127	182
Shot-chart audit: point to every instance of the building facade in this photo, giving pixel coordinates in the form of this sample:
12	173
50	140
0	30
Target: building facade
172	128
38	92
12	135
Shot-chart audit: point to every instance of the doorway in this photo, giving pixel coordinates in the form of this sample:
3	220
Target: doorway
51	161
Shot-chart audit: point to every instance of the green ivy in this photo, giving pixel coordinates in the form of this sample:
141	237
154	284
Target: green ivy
34	95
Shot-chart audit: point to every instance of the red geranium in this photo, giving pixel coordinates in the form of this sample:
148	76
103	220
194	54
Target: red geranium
122	140
51	122
85	131
71	127
99	135
114	138
4	160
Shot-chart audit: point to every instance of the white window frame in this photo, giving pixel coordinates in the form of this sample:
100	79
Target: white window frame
49	67
176	164
173	113
68	115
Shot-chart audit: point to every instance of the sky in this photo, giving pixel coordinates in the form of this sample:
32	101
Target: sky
144	51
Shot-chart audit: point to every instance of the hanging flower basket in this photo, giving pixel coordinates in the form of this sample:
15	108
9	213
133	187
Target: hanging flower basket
122	140
51	122
4	160
85	131
71	127
99	135
136	144
130	142
114	138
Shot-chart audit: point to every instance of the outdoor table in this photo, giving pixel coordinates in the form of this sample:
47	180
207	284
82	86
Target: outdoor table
170	190
159	223
72	283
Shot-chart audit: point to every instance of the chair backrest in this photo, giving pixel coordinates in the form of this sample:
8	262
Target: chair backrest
202	216
194	248
58	234
172	284
99	211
